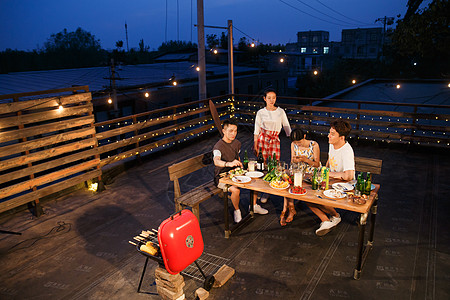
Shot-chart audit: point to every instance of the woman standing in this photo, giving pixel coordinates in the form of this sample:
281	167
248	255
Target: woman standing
307	154
268	124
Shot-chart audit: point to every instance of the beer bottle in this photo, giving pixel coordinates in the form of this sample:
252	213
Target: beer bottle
368	186
358	184
314	184
245	163
260	161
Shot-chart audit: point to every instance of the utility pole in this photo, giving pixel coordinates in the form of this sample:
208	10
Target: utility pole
385	21
113	86
230	58
126	35
201	51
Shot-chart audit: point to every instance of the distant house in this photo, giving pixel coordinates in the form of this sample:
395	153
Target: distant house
360	43
308	53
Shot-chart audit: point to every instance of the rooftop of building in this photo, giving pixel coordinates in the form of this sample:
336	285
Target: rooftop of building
79	248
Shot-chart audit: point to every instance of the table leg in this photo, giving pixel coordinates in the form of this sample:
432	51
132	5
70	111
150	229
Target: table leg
226	212
359	258
373	216
251	212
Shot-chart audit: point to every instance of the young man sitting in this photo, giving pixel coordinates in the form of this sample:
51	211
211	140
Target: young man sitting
226	157
341	161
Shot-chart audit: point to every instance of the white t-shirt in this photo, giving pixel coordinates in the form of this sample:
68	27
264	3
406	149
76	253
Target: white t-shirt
342	159
272	121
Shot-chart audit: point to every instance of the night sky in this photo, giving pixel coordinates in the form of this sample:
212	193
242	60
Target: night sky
26	24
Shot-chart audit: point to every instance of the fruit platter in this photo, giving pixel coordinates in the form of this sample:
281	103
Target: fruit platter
279	184
236	172
297	190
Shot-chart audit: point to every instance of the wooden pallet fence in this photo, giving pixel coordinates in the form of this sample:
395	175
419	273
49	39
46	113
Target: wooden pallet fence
46	145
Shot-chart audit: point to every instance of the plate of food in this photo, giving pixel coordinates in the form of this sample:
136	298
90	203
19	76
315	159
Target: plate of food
241	179
342	186
335	194
279	184
297	190
254	174
372	186
236	171
361	200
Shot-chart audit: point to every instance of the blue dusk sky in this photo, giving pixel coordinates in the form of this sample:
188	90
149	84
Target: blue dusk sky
27	24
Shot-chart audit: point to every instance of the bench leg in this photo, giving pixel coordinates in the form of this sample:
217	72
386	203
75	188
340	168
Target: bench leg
196	212
178	206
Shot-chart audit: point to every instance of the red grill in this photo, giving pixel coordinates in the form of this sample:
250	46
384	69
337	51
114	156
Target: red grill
180	241
176	244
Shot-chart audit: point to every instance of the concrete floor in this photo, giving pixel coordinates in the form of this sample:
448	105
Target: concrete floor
79	249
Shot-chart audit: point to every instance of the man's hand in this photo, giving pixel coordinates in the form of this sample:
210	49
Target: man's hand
234	163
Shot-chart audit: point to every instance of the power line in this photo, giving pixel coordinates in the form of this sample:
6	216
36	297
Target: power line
315	9
306	13
342	14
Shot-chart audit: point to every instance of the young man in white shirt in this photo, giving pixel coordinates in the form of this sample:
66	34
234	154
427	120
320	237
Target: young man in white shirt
341	161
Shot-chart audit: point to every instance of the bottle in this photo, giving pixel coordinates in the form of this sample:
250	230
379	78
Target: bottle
368	185
314	184
245	160
326	177
269	164
260	161
358	185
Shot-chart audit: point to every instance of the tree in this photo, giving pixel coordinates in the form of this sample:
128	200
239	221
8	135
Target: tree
243	44
224	41
424	38
119	45
177	46
78	48
212	41
142	47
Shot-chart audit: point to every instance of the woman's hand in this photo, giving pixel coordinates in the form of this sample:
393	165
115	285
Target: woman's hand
255	148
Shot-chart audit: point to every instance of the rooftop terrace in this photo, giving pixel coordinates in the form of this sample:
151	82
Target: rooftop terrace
79	248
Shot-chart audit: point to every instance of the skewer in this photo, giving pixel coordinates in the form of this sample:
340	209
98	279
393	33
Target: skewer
155	230
132	243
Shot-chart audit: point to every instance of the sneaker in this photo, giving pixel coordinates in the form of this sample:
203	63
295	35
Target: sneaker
264	198
237	216
259	210
335	220
324	228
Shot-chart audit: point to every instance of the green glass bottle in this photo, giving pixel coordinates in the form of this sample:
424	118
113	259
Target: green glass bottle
269	164
314	184
368	185
245	162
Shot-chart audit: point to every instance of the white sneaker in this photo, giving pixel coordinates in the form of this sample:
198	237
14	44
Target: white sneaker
264	198
259	210
335	220
324	228
237	216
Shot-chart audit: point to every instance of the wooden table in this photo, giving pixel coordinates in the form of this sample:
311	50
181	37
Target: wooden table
370	207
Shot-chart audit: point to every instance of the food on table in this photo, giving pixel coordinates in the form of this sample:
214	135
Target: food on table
298	190
357	199
279	184
236	171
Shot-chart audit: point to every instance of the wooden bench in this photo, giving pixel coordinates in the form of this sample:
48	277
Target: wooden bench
362	164
197	195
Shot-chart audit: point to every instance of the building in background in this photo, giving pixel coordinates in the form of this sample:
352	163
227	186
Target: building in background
360	43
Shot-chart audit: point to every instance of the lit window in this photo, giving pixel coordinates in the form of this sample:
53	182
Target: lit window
326	50
303	50
314	50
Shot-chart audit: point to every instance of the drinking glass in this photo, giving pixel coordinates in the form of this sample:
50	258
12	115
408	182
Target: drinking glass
319	179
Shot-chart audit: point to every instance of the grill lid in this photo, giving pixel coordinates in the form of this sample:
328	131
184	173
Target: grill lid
180	241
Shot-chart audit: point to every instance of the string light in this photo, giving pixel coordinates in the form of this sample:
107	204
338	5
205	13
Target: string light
147	94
